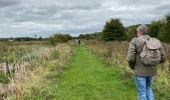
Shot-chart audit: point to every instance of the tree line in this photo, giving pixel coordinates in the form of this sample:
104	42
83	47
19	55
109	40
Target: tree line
114	30
21	39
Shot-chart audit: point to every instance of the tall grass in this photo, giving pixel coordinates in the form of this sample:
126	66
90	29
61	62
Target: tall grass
27	65
114	53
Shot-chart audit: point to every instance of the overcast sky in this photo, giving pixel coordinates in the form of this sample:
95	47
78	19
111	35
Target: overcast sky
19	18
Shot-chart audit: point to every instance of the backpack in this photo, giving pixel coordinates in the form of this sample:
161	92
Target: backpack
151	54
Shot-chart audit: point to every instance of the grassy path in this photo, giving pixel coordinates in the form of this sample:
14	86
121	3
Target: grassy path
88	79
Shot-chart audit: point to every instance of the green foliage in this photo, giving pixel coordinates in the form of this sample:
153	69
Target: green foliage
4	78
131	32
113	30
87	36
21	39
59	38
154	28
158	29
164	34
99	35
96	35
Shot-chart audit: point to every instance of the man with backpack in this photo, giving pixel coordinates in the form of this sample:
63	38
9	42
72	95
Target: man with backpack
144	54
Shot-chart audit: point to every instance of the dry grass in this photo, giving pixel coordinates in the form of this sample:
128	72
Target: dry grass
30	64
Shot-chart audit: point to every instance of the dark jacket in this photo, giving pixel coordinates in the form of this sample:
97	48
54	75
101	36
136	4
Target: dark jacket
133	58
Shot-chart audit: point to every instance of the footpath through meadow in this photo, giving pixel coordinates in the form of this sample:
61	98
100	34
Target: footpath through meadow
87	78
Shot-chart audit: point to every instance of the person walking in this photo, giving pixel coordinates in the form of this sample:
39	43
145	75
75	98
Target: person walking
79	42
144	54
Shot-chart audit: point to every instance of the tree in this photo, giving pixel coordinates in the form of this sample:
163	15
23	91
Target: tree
131	32
40	38
113	30
89	36
154	28
164	33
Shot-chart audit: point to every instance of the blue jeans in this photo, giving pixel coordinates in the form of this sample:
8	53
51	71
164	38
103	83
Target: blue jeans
144	86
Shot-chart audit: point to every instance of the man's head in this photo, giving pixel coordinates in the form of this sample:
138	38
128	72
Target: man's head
141	30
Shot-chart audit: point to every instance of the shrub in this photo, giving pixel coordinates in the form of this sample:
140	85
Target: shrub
59	38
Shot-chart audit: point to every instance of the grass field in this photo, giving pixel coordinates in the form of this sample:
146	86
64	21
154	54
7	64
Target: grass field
94	71
86	78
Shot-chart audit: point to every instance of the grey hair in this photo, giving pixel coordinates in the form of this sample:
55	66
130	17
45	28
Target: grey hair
142	29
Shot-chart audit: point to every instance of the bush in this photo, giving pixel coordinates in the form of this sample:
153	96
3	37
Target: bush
59	38
154	28
164	33
131	32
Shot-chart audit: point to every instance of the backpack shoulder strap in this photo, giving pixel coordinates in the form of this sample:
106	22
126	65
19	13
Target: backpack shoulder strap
139	50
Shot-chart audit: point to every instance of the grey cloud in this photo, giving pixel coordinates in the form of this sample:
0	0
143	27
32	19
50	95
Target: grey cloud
44	17
5	3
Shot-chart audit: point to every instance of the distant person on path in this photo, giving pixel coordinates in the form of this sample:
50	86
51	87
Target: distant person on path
144	54
79	42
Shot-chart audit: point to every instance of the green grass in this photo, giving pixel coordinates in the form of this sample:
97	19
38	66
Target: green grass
87	79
